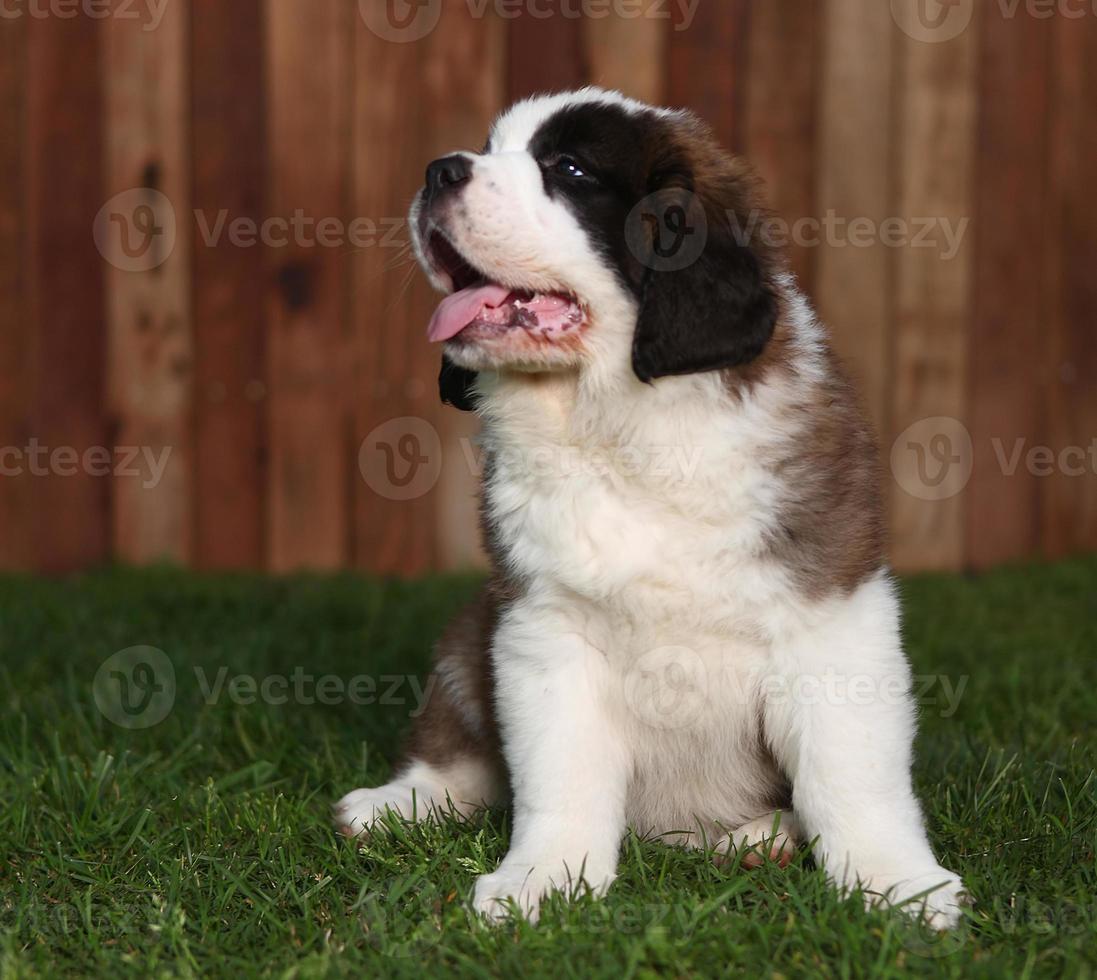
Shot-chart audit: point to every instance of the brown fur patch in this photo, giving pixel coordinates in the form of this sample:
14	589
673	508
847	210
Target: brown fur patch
832	532
830	525
458	721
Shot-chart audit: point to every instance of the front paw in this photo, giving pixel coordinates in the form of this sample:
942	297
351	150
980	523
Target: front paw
936	896
364	810
774	837
524	883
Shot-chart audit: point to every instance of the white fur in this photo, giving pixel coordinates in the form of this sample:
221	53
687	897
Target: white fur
421	792
629	568
656	631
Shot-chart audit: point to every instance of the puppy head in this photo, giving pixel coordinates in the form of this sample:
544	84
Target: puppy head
594	233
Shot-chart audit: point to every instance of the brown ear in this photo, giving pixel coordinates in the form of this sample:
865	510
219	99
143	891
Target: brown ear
713	307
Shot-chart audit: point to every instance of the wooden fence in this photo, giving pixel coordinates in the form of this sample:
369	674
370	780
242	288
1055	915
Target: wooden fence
253	378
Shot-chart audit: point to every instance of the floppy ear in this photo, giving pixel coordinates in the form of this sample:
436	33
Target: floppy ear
455	386
702	312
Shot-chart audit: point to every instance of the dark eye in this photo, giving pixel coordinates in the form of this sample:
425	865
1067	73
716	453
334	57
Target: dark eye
569	167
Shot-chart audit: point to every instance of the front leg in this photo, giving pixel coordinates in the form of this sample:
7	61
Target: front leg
841	723
566	760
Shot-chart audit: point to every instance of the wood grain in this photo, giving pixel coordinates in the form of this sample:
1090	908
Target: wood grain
544	53
395	368
71	513
936	107
1009	365
1069	511
628	53
409	529
270	370
467	90
150	344
229	300
855	179
780	120
309	70
14	333
708	66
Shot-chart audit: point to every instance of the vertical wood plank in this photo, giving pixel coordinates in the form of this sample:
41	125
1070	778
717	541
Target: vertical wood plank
780	119
852	286
14	339
1069	512
545	53
628	53
1008	368
409	521
229	299
932	294
150	345
71	524
394	531
708	67
309	70
466	89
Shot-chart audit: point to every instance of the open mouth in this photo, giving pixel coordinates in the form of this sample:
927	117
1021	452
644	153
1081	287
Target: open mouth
479	308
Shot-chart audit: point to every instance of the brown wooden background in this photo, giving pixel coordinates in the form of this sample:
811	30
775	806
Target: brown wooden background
265	368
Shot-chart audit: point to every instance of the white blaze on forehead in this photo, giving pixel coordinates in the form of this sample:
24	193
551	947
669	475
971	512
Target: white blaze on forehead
514	129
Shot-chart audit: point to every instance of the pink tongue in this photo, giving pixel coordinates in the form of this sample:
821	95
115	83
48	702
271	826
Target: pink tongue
457	311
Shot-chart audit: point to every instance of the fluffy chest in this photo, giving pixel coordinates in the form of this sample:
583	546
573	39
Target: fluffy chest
656	531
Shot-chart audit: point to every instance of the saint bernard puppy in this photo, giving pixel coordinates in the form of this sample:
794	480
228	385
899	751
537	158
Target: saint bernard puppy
689	629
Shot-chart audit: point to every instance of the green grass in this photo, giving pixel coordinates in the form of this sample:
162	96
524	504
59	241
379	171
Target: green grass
202	845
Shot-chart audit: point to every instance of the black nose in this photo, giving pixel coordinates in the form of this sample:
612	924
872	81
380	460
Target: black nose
448	172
